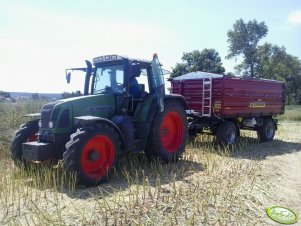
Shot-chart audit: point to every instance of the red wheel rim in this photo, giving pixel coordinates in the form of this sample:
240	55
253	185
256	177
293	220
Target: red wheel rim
97	157
171	132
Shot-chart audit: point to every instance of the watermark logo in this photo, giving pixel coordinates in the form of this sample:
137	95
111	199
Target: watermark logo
282	215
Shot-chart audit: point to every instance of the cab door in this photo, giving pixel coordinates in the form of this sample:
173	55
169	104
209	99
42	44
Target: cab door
157	81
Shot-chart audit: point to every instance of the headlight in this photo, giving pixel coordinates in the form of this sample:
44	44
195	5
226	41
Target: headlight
40	123
50	124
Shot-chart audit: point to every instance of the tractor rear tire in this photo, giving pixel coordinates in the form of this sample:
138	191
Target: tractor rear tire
226	133
168	134
267	131
92	153
26	133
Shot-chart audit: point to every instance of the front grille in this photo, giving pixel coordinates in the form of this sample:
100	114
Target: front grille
46	114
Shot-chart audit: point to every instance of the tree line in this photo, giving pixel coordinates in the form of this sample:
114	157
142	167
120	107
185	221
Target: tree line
5	94
266	61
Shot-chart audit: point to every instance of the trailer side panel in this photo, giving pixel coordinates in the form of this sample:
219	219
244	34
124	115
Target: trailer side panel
234	97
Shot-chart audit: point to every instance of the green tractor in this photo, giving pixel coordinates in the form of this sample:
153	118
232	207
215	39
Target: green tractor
115	115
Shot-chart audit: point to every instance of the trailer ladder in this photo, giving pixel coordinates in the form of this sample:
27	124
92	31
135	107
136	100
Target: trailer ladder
206	98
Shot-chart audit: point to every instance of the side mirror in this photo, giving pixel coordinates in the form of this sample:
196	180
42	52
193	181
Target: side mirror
68	77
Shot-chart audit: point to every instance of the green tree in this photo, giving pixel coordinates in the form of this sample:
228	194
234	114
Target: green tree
35	96
243	40
5	94
275	63
208	60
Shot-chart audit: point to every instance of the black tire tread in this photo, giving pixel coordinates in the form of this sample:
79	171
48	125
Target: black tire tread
74	146
154	147
21	136
221	133
261	132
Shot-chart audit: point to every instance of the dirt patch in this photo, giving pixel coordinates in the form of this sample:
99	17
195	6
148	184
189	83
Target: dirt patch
284	171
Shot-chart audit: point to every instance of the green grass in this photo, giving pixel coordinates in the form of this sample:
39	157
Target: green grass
209	185
292	113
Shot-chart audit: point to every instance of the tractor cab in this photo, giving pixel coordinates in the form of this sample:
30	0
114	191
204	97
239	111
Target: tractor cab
138	90
129	80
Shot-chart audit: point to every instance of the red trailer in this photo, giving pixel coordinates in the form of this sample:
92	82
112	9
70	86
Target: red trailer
224	105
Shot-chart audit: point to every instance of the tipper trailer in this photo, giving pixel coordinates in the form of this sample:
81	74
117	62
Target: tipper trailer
223	105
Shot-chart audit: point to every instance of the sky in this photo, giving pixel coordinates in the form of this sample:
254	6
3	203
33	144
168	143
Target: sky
40	39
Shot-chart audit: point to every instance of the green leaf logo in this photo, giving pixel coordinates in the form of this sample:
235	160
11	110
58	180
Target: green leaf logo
282	215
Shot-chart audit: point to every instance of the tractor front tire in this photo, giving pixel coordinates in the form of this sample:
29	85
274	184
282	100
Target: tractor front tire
26	133
92	152
168	135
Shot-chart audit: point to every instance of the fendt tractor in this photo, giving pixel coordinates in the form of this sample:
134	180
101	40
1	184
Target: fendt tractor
115	115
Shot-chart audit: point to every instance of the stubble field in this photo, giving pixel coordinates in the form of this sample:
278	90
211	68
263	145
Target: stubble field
208	186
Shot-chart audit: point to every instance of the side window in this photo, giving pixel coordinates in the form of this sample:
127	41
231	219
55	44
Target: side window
119	77
142	80
117	81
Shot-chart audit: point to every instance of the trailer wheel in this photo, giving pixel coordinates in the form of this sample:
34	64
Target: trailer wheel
168	135
92	152
226	133
267	131
26	133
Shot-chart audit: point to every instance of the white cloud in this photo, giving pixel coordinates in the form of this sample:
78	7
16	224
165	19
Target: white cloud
295	17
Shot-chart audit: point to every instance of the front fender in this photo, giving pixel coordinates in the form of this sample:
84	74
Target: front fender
92	120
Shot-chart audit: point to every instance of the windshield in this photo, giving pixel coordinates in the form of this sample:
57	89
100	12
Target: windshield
108	79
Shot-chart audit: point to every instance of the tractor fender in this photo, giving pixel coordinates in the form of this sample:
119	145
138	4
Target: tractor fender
178	98
90	120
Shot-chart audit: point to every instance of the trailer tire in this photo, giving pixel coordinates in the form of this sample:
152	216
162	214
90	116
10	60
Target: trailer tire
267	131
26	133
227	133
168	134
92	153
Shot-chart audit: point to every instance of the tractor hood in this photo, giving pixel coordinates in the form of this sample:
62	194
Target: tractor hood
96	105
59	115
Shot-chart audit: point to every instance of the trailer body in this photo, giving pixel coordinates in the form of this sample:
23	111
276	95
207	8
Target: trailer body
214	100
232	97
